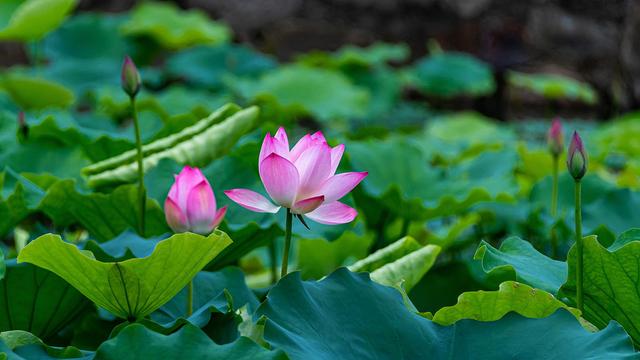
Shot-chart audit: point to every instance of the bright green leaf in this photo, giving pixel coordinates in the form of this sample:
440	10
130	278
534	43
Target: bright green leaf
133	288
31	93
611	285
409	269
31	20
386	255
493	305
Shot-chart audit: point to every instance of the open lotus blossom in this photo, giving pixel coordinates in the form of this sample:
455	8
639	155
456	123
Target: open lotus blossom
302	179
191	205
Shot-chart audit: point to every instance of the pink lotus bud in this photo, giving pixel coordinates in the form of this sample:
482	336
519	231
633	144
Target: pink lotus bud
577	159
555	139
302	179
191	205
130	77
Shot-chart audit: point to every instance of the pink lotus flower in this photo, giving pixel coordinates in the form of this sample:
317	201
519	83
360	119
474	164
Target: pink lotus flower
577	159
302	179
191	205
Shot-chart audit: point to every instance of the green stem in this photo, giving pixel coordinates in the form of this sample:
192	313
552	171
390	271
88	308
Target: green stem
274	261
142	196
405	227
580	246
287	244
190	298
554	207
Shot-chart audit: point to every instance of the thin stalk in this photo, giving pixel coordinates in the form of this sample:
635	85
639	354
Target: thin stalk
405	227
287	244
190	298
142	193
554	207
580	246
274	261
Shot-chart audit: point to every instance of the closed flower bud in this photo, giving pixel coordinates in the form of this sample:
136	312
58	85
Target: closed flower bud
577	159
130	77
555	139
191	205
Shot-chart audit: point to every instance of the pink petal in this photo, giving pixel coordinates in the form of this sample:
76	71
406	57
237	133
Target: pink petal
188	178
201	208
302	145
280	179
282	142
251	200
314	166
318	138
336	156
333	214
307	205
218	218
340	185
176	219
267	147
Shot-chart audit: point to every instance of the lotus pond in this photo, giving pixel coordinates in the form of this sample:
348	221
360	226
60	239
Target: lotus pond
168	193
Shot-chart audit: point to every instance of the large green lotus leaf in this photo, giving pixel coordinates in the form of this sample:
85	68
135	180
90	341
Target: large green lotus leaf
517	259
22	89
105	216
133	288
36	300
324	94
196	145
98	137
19	197
127	245
348	316
22	345
385	91
31	20
173	28
207	66
409	269
613	137
400	174
611	285
138	342
319	257
553	86
493	305
452	74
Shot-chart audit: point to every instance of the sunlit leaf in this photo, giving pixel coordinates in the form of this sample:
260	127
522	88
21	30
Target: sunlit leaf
133	288
31	20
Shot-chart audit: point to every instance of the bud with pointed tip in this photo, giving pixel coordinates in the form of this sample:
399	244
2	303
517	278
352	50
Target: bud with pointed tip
577	159
555	140
130	77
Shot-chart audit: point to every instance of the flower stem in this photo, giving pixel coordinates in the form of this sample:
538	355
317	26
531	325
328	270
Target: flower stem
190	298
287	244
554	207
580	246
142	193
272	258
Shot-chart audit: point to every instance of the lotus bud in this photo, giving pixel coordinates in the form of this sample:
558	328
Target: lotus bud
577	160
555	139
130	77
191	205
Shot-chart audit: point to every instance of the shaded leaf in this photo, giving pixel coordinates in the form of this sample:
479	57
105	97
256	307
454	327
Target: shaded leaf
517	259
36	300
137	342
